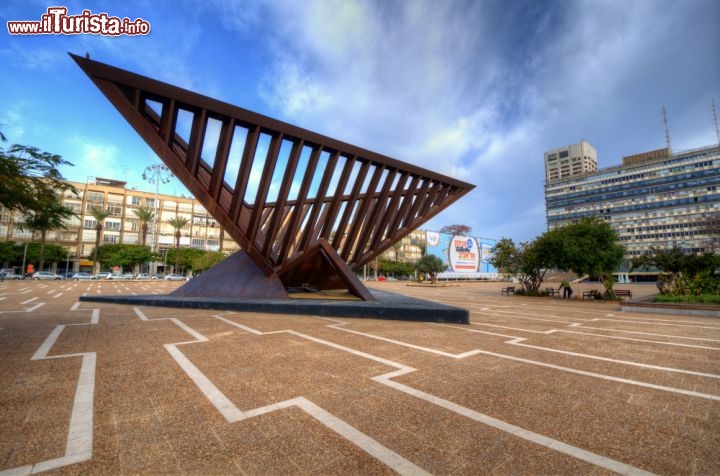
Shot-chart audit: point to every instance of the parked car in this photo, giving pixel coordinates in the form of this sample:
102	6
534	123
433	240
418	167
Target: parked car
175	277
143	276
82	276
10	275
46	275
128	276
103	275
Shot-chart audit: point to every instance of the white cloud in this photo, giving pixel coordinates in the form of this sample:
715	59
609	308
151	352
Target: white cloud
101	158
13	123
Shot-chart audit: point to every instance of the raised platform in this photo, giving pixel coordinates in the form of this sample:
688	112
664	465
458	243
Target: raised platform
386	306
684	309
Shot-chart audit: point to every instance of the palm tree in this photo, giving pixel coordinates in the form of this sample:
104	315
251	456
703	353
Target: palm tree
145	215
50	214
178	223
99	215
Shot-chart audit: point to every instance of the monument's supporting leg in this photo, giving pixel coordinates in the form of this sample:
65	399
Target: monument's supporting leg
237	276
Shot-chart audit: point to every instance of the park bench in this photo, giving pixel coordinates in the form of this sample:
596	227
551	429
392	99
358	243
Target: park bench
552	292
622	293
590	295
508	290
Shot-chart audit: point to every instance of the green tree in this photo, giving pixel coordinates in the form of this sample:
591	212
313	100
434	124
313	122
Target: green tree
527	262
8	253
178	223
52	253
590	246
685	273
124	255
145	215
206	260
432	265
99	215
187	258
396	268
463	230
50	214
28	174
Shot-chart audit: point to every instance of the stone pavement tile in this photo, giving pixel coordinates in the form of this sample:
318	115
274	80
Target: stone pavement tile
198	451
13	414
142	446
154	457
296	435
37	441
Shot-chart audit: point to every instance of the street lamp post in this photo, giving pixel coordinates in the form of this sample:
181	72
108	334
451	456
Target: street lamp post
24	256
157	174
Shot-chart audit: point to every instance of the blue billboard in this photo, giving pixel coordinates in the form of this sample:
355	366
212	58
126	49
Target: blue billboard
465	256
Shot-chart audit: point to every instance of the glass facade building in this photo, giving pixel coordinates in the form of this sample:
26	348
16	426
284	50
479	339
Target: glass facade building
655	200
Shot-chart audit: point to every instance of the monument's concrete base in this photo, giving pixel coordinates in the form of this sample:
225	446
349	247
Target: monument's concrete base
386	306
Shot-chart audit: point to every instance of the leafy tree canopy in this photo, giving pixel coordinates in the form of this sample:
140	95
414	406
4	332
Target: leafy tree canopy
395	267
430	264
589	246
52	253
27	173
206	260
527	262
464	230
9	253
119	254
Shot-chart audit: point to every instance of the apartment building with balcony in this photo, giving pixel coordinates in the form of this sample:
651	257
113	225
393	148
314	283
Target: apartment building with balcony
657	199
122	225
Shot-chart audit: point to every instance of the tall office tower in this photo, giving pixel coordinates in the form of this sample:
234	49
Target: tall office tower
655	200
570	161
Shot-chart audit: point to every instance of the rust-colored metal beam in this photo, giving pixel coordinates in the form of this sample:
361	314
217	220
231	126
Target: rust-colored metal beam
352	228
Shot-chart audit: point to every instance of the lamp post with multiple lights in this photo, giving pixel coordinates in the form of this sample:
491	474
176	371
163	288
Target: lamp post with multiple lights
157	174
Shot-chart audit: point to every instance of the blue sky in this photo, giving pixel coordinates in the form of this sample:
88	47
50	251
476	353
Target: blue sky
477	90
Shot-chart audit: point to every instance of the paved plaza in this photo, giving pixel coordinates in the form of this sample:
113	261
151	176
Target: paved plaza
531	386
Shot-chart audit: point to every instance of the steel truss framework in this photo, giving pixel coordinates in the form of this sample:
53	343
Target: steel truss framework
304	207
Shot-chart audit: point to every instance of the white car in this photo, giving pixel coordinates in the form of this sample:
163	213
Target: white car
10	275
175	277
46	275
83	276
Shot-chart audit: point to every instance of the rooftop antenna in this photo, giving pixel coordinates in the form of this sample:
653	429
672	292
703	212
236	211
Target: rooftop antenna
715	120
667	128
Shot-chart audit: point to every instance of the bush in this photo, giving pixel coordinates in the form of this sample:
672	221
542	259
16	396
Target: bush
701	283
689	299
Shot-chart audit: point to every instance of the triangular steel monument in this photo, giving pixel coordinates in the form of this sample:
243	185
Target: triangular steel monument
307	210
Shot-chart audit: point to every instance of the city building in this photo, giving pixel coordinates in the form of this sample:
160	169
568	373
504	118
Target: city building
656	199
123	225
570	161
409	249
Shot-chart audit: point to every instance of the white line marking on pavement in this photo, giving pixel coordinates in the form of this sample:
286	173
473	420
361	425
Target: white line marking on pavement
581	326
527	361
29	300
402	369
679	344
80	432
233	414
519	340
